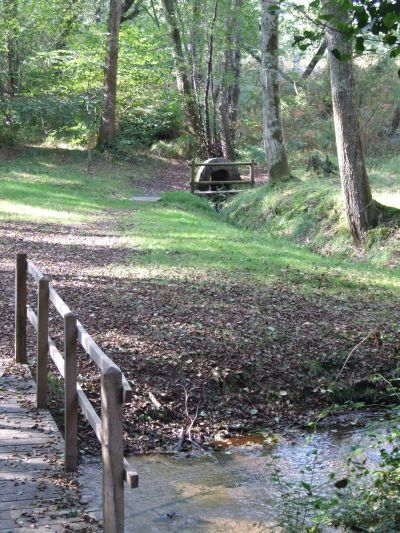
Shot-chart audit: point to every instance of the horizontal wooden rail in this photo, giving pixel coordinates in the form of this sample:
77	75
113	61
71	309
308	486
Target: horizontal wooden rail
58	302
230	164
97	355
34	271
209	193
88	344
131	477
228	182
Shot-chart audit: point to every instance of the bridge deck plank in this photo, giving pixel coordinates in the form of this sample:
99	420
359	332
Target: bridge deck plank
34	491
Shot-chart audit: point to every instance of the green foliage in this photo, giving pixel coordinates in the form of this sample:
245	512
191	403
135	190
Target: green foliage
365	498
367	18
181	148
61	83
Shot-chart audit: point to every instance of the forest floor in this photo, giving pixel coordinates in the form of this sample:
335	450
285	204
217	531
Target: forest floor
220	326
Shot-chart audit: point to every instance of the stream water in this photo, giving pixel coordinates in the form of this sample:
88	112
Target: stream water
231	490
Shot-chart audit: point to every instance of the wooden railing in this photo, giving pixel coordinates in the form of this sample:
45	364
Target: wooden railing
115	389
195	185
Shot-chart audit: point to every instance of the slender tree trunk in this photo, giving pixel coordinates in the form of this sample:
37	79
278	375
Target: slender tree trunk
319	54
395	122
182	70
195	37
361	210
108	125
209	140
10	16
278	166
230	85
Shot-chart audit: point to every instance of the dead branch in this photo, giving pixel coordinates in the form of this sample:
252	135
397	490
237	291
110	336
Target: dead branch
185	434
354	349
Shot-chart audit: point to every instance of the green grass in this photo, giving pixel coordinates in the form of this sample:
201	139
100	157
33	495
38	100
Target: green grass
310	211
182	235
55	186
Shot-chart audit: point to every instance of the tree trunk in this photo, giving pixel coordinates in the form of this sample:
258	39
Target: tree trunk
10	17
108	125
319	54
278	166
230	86
183	75
395	122
210	139
361	210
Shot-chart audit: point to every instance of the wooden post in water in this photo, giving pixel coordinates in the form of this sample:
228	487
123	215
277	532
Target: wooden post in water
252	173
70	393
20	308
42	342
192	176
112	450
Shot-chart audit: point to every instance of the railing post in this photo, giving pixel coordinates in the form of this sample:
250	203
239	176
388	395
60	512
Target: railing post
20	308
42	342
192	176
70	393
112	451
252	173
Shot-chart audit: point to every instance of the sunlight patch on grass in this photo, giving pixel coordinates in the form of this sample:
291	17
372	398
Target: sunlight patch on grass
388	198
181	240
21	212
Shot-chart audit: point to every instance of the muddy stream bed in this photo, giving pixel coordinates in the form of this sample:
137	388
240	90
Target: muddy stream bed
230	488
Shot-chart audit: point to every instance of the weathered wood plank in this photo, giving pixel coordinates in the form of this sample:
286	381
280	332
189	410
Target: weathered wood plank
14	498
20	308
70	393
208	193
131	477
231	164
34	271
58	302
31	495
112	451
101	359
42	343
227	182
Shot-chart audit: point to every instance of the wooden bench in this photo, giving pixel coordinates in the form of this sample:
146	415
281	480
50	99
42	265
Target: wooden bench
197	187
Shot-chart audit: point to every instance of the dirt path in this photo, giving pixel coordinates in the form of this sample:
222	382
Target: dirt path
245	356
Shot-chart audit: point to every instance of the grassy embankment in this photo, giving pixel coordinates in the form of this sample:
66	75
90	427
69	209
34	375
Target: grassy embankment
310	212
183	233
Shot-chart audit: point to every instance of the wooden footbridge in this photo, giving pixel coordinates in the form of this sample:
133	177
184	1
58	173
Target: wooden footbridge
35	493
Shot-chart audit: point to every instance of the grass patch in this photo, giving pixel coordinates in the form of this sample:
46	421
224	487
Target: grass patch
182	235
57	186
310	212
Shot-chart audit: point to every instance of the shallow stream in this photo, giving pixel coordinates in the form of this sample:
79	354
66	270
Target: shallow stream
231	490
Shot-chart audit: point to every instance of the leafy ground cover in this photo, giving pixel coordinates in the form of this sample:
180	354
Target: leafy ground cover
251	330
